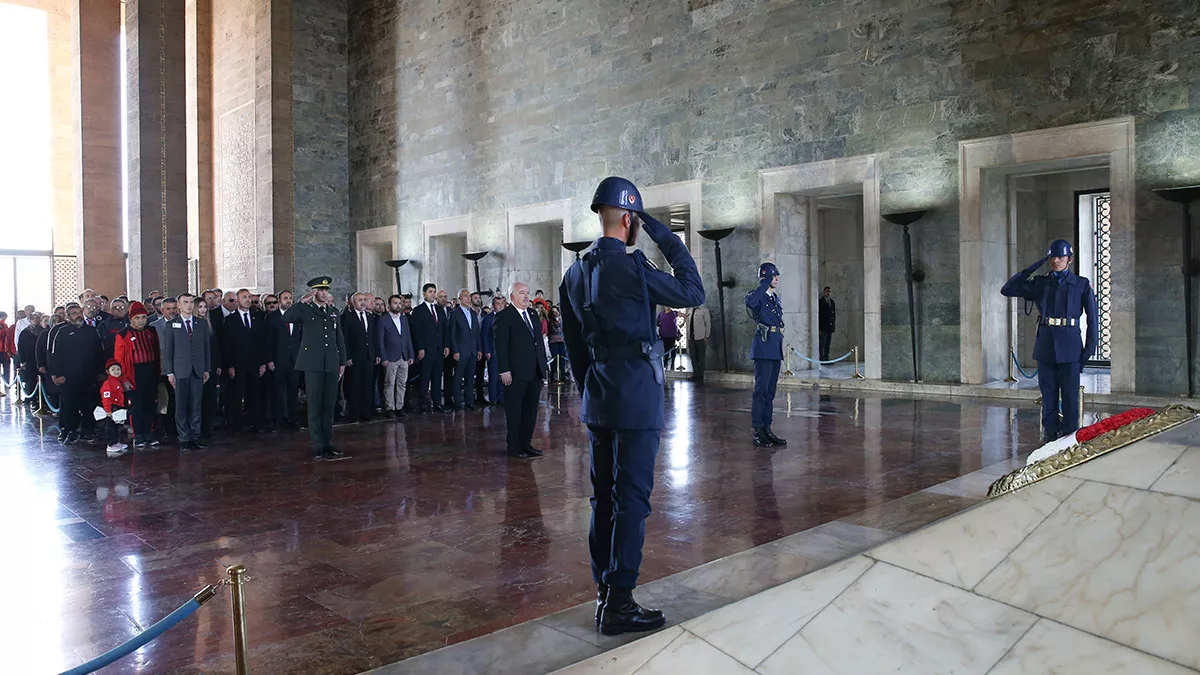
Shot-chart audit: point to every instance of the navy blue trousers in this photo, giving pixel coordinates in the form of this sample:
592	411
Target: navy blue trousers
766	376
1059	381
622	478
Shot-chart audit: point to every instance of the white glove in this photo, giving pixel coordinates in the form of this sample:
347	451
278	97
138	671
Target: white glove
99	413
119	416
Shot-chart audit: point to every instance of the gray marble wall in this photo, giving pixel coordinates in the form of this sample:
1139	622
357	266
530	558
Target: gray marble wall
477	107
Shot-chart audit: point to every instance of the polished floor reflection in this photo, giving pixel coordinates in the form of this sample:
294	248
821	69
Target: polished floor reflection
430	535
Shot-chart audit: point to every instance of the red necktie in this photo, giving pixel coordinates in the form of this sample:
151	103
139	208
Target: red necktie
431	308
188	323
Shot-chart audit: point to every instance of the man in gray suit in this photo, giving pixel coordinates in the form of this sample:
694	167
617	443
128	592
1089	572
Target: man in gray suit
466	348
396	354
187	361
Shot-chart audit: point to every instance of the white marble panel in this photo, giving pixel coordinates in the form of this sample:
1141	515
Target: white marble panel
749	630
1137	465
894	621
963	549
627	659
1183	478
1116	562
1050	647
693	656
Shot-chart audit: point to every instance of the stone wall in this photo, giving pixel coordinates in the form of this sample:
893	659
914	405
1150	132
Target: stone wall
477	107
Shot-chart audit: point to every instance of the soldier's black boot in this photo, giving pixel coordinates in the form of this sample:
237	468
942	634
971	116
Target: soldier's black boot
773	438
620	614
601	596
761	439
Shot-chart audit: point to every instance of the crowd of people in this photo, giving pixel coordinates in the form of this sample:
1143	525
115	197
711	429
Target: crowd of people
122	367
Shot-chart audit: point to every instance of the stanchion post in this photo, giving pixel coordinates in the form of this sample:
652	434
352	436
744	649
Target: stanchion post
237	584
857	376
787	361
1011	359
1080	421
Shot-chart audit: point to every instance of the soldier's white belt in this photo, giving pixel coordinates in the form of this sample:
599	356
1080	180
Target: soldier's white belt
1056	321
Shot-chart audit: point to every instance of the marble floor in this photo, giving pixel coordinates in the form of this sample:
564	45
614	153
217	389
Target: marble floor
430	536
1096	570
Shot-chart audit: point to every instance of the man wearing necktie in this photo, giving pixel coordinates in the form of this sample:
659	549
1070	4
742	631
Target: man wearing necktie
358	327
187	363
429	339
521	359
243	353
283	339
466	348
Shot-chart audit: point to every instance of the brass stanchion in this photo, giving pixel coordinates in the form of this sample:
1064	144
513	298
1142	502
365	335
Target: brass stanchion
1080	422
237	581
787	361
1011	360
857	376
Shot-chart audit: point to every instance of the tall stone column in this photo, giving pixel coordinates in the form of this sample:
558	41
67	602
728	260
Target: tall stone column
157	112
200	140
97	111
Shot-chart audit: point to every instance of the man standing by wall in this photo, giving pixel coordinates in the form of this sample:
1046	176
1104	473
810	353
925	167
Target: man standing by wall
827	320
699	330
187	362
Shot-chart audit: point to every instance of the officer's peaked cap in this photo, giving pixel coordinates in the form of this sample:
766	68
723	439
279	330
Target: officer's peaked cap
320	283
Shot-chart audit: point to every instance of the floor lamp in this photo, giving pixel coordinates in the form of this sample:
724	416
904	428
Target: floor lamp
715	236
904	220
396	265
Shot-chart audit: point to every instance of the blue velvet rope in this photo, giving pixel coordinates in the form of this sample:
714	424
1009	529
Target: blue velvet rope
189	608
1017	363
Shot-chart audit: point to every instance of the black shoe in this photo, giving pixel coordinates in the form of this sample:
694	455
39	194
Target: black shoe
534	451
198	445
62	436
332	455
521	454
186	446
71	439
620	614
400	414
319	457
775	439
762	440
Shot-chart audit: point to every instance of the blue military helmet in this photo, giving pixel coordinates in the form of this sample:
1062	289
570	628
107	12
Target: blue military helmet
1061	248
767	270
618	192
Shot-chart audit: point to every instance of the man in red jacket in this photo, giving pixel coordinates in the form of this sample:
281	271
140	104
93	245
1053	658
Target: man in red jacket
136	349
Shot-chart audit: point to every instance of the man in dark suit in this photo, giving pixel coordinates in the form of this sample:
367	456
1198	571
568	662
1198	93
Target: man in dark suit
521	360
827	320
495	391
187	363
466	348
429	339
396	355
283	344
358	329
243	353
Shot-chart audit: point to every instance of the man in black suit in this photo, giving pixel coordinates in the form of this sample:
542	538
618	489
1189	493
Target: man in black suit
283	344
521	358
362	355
827	322
243	353
429	339
466	348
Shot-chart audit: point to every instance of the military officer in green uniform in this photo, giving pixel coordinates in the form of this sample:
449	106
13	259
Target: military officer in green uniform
322	359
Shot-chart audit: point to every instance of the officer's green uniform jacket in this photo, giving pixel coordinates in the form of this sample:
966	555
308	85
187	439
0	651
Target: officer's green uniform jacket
322	347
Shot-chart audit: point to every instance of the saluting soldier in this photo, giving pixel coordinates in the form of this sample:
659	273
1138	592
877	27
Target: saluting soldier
1060	352
322	359
764	307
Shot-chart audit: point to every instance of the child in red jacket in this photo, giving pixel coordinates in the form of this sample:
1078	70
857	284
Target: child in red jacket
112	398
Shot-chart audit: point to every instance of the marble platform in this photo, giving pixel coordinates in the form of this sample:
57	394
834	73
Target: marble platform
1096	570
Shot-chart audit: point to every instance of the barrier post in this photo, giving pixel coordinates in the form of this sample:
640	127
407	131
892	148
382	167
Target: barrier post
787	361
1011	359
237	581
857	376
1080	405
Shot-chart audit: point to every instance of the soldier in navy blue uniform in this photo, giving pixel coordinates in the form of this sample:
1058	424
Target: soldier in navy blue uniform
608	301
763	305
1060	352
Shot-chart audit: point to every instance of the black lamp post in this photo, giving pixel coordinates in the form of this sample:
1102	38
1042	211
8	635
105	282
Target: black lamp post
396	265
1185	196
904	220
576	247
715	236
475	257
